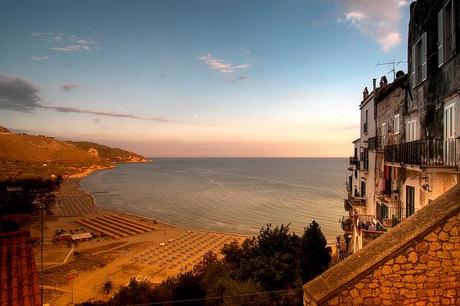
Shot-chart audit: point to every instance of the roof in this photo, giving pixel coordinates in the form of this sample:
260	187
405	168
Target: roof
81	236
360	263
384	91
18	276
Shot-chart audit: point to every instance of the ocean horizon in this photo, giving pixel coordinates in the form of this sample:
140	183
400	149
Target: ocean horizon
228	194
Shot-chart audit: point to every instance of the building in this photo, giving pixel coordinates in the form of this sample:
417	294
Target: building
408	151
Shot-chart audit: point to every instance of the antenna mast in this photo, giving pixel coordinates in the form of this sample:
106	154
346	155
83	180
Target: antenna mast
393	64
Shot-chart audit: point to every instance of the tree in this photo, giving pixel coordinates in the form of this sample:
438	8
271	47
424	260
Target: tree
315	257
271	258
107	286
135	293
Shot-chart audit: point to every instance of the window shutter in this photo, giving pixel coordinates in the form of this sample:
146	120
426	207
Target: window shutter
424	57
454	26
441	38
414	66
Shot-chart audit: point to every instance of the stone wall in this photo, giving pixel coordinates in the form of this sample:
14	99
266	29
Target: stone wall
415	263
426	273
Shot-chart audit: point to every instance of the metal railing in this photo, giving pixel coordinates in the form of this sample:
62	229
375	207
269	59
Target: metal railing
375	143
354	160
390	214
426	152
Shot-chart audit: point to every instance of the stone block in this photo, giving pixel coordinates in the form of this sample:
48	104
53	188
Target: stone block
386	270
412	257
434	246
443	236
421	247
401	259
431	237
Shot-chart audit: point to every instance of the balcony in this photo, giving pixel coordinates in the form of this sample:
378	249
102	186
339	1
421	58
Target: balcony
347	224
424	152
356	199
354	160
375	143
390	212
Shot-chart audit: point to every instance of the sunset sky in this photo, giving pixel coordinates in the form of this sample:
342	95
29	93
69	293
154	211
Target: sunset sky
197	78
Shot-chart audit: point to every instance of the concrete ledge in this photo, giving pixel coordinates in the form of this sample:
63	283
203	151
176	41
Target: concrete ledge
323	287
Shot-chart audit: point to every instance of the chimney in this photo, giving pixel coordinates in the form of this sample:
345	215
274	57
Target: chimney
374	84
365	93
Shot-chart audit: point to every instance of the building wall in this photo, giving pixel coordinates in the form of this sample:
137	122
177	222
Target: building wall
441	81
425	272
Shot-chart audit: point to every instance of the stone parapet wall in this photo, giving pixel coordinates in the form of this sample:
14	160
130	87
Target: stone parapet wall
424	272
415	263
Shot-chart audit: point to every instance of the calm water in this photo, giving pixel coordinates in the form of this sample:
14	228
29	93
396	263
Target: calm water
237	195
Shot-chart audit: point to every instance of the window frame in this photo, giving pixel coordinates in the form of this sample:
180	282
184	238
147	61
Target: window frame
420	60
444	54
396	124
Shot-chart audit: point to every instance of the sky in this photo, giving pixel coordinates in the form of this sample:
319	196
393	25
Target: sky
194	78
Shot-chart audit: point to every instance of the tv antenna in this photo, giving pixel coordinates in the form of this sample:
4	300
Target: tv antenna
393	64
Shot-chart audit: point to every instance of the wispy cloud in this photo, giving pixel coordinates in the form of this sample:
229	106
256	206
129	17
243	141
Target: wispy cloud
38	58
225	68
221	65
21	95
66	109
67	43
380	20
68	86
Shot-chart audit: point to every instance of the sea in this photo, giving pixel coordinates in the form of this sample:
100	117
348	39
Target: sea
230	195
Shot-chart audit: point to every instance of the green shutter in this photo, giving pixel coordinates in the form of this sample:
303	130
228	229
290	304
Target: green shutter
441	38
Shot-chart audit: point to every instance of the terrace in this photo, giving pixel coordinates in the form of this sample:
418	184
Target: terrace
424	152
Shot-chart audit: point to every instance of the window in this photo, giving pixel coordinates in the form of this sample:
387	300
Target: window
411	131
446	33
410	200
396	124
363	189
365	122
384	129
419	57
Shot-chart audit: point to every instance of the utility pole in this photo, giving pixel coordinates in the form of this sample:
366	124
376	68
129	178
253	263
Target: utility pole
42	206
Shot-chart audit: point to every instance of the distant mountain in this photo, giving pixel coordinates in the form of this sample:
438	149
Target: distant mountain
23	156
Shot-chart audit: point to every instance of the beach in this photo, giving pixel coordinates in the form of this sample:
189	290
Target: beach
123	246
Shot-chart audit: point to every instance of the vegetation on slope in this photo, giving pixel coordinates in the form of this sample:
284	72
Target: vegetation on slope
108	153
27	156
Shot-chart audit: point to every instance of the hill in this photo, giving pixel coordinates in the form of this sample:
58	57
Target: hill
28	156
108	153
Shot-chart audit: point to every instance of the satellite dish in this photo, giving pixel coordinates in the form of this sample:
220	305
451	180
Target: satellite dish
400	74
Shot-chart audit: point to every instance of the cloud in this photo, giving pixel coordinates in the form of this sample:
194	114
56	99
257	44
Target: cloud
220	65
380	20
69	86
18	94
38	58
66	109
66	43
21	95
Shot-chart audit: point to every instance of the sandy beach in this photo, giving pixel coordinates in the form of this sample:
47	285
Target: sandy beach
124	246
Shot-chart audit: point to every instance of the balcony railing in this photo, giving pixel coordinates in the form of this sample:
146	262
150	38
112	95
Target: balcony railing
375	143
424	152
354	160
356	199
390	214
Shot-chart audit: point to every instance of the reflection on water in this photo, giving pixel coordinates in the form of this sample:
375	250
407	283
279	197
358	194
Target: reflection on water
228	194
